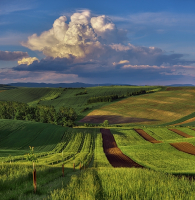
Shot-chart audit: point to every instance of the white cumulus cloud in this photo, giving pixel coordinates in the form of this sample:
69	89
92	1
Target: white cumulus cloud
27	61
82	36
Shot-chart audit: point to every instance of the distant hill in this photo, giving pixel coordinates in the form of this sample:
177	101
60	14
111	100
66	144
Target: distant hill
180	85
56	85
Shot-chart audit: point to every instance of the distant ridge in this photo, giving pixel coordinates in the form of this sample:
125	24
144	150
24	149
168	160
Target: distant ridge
180	85
56	85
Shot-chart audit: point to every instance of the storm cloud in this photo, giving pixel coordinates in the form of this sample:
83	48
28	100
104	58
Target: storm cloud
10	56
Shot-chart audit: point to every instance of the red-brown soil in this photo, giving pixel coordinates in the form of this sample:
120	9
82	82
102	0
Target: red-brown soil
113	153
180	133
146	136
185	147
113	119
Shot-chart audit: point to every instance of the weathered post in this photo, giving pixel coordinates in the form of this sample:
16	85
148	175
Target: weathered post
73	166
34	180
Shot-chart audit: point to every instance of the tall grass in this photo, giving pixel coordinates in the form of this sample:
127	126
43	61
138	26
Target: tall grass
139	184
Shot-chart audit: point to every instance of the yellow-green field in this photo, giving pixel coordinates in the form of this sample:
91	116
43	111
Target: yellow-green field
159	107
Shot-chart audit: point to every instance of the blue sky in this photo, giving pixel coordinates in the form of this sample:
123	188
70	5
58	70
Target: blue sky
132	42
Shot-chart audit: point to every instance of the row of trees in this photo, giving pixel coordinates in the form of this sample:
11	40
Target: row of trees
102	99
110	98
136	93
45	114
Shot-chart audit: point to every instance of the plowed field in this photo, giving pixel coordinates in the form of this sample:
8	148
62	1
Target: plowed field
180	133
185	147
146	136
113	153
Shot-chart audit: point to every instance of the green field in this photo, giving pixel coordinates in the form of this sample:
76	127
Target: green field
166	169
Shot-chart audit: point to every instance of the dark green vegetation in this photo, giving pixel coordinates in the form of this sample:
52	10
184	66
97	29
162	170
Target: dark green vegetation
110	98
55	145
44	114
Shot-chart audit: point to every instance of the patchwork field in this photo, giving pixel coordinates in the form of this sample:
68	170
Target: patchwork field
161	156
87	150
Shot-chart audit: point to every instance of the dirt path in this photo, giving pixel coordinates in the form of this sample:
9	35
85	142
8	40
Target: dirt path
146	136
185	147
180	133
113	153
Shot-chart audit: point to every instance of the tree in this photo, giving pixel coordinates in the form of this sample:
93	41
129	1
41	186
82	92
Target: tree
105	123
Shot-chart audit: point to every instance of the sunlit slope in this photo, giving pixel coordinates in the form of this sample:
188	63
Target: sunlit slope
16	136
69	98
158	108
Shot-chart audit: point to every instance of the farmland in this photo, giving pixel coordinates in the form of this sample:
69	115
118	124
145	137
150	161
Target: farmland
68	97
95	158
156	108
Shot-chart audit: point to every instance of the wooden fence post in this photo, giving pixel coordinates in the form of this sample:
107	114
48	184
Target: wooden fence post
73	166
34	180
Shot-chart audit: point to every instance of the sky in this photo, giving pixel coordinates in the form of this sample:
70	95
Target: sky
118	42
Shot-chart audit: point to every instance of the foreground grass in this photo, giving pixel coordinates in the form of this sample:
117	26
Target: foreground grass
126	183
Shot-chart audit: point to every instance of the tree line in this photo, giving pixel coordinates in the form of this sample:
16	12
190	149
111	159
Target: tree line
45	114
110	98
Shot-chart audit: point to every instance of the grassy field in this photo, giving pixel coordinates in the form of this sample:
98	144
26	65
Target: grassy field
160	107
123	183
68	97
82	147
